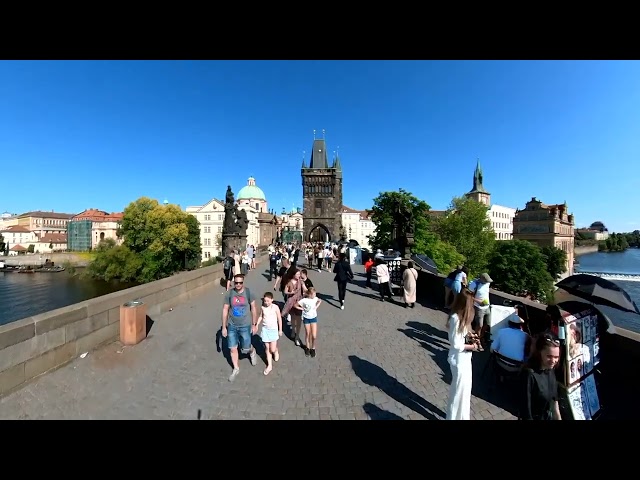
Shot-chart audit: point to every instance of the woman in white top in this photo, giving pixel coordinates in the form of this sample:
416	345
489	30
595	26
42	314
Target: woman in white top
459	358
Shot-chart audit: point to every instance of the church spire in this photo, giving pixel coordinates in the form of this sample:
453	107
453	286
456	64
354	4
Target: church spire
478	185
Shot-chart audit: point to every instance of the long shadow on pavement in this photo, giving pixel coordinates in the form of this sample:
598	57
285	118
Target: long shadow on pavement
485	384
377	377
434	341
377	413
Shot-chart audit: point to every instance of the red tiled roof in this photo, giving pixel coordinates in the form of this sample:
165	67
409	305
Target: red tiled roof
16	229
96	215
54	238
18	248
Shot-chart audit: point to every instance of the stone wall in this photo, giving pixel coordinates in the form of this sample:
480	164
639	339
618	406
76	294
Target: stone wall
620	352
585	249
34	345
331	216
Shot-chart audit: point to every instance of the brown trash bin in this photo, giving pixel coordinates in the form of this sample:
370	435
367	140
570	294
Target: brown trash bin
133	322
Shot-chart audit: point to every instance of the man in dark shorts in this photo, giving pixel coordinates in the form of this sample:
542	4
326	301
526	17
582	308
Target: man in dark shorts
239	320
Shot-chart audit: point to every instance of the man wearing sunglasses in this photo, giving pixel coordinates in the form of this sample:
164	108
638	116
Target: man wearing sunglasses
239	320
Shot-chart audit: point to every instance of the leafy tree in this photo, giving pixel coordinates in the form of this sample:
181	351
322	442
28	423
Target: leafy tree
556	260
31	248
162	240
2	244
518	267
467	227
115	262
616	242
443	255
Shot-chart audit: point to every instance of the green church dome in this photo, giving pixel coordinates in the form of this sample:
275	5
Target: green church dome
251	191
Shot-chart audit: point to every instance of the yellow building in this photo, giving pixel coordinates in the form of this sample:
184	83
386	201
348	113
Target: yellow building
546	225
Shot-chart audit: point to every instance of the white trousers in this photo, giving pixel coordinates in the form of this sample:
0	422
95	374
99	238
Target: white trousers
459	407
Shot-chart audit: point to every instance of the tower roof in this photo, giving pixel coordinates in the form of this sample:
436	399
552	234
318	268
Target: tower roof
319	154
478	186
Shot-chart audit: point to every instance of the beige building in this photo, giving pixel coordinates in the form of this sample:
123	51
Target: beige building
45	222
546	225
46	231
501	217
103	225
597	231
358	225
211	219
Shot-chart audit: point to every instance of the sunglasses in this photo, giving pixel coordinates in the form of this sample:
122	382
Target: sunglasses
239	283
552	340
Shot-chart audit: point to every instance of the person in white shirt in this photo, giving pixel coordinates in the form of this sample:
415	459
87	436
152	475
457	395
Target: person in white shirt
480	288
309	306
512	342
383	277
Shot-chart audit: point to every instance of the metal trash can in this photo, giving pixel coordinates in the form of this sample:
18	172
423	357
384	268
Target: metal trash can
133	322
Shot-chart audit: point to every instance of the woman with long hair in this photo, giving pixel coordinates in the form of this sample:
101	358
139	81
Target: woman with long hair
539	394
409	281
294	290
459	358
343	272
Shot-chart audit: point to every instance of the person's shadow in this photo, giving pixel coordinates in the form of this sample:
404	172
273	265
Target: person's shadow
376	413
375	376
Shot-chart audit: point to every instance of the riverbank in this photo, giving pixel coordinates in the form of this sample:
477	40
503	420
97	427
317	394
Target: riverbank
74	259
584	250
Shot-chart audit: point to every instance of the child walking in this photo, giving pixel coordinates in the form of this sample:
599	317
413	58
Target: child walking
309	306
271	330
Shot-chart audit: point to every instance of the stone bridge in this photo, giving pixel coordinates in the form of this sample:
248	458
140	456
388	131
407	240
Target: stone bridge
375	361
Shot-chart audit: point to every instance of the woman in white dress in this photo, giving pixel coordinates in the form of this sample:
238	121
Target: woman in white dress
459	358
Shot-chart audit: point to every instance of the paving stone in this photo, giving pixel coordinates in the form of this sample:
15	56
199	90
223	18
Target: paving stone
375	360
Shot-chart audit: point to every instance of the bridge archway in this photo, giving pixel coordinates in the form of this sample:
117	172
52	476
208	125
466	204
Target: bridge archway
319	233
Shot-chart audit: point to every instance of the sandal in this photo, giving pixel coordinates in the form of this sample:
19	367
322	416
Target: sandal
267	370
276	356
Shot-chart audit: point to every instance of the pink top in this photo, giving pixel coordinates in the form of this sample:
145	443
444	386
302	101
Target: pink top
270	316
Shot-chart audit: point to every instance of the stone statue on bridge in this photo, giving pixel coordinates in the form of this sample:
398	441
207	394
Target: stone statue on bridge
234	229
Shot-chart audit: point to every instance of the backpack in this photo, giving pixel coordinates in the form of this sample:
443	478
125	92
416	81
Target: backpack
274	257
227	263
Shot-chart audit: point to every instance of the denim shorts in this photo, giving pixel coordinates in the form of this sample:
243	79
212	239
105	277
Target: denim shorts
243	333
309	321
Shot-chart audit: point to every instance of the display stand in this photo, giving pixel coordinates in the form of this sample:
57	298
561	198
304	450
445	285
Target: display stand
580	353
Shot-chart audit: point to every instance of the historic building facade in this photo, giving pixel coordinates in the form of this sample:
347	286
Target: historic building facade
547	225
87	229
501	217
358	225
322	195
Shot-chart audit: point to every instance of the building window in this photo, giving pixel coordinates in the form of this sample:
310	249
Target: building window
207	218
318	207
220	215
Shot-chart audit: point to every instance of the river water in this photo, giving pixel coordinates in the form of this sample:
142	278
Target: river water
618	262
24	295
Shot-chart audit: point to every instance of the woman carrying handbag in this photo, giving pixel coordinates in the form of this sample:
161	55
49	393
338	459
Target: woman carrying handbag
343	272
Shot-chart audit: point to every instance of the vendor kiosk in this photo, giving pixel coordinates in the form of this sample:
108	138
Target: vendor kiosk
579	331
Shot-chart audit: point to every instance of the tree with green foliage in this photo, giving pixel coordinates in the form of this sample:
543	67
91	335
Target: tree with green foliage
633	238
467	227
555	259
518	267
159	240
2	244
31	248
616	242
426	243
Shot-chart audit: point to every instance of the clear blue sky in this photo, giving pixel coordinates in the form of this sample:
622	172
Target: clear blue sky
75	135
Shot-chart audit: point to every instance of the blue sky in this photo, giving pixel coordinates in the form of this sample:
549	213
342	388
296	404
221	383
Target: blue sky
76	135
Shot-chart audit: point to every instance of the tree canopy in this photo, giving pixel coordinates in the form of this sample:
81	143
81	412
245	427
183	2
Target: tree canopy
467	227
426	242
518	267
2	244
158	240
556	261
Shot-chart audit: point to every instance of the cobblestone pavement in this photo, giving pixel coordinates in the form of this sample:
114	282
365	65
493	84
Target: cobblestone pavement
375	360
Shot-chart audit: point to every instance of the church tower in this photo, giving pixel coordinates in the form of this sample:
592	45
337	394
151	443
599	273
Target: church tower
322	195
478	193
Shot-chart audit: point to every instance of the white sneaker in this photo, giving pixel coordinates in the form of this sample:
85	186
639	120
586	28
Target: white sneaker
253	358
234	374
341	307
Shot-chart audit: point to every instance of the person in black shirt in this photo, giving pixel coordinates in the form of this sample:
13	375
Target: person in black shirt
304	275
539	394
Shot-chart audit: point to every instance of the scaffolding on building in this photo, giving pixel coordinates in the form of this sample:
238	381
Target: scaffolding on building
79	235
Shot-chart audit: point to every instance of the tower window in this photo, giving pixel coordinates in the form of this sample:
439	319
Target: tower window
318	207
